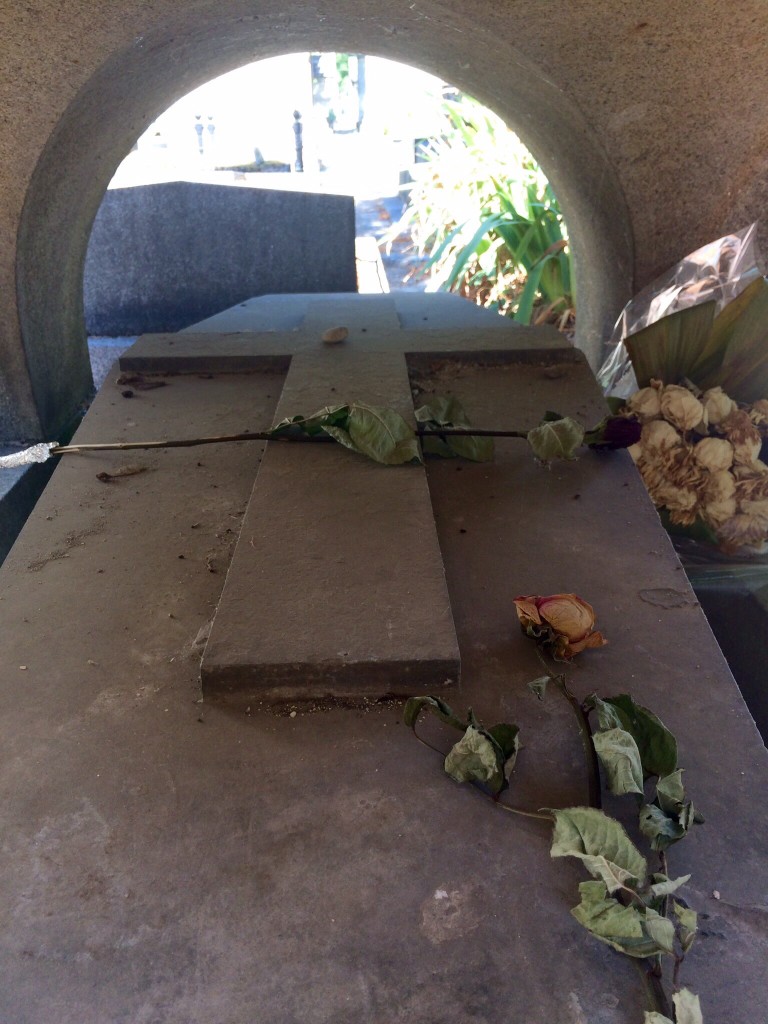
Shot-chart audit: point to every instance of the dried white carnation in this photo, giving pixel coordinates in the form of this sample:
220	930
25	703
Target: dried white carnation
680	408
659	434
645	404
758	413
715	513
720	486
714	453
717	405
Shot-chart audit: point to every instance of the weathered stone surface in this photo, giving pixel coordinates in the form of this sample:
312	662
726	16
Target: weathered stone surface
163	256
322	868
337	585
615	105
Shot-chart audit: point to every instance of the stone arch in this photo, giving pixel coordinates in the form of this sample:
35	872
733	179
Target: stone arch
135	84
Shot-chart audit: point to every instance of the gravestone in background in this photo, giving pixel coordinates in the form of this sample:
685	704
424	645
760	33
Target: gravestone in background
166	255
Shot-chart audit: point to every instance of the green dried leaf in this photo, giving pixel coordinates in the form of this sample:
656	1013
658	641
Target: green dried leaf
670	793
507	737
447	411
666	886
558	439
380	434
601	843
415	705
652	1017
687	924
622	927
329	415
539	686
475	758
741	328
661	930
657	745
658	828
620	759
687	1007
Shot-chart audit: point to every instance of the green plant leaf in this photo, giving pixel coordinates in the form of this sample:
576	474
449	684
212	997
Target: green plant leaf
622	927
741	328
620	758
601	843
557	439
329	415
660	830
652	1017
670	794
508	739
668	885
657	745
380	434
476	759
669	348
447	411
688	924
687	1007
661	930
415	705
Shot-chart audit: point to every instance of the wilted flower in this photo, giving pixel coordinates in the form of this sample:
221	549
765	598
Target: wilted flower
759	413
715	513
564	621
681	408
612	433
660	434
743	435
717	405
714	453
646	403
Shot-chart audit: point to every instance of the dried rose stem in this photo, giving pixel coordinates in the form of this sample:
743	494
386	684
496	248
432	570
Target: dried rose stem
590	755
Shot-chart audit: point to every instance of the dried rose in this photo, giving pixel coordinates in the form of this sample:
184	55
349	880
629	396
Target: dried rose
743	530
715	513
717	405
680	408
720	486
612	433
645	403
563	621
759	413
660	434
714	453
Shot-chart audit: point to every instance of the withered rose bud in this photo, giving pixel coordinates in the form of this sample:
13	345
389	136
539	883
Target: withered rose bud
563	621
714	453
660	434
717	405
645	403
612	433
680	408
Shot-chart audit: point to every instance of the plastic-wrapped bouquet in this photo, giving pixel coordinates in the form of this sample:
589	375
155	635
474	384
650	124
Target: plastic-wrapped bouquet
699	456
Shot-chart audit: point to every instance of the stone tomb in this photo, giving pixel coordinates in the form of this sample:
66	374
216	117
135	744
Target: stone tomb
166	860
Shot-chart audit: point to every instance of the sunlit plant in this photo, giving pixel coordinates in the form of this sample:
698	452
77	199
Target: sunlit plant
488	220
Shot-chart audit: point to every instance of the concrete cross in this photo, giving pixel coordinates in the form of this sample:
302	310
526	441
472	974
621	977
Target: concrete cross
337	586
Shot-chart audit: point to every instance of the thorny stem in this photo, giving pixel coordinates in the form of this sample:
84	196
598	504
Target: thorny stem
590	755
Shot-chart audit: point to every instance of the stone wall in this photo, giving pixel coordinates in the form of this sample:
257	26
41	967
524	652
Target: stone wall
651	124
163	256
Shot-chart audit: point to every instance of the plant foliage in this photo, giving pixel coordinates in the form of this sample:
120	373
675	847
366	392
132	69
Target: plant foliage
489	221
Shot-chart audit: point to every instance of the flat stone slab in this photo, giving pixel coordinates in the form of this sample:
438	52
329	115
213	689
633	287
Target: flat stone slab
169	861
337	584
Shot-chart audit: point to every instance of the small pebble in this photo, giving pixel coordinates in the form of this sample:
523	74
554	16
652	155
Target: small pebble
716	894
292	714
23	668
334	335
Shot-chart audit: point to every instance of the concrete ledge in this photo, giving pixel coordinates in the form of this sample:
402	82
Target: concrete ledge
19	490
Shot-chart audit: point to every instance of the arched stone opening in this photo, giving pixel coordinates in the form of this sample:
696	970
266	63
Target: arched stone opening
139	82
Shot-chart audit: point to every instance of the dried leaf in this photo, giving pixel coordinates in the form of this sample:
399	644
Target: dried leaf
475	759
415	705
601	843
558	439
687	1007
620	759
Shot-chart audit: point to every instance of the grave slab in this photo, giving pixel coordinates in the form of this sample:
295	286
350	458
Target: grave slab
170	861
316	601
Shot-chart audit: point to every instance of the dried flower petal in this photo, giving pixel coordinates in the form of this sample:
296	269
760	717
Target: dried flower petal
717	405
645	404
659	434
714	453
681	408
759	413
563	621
